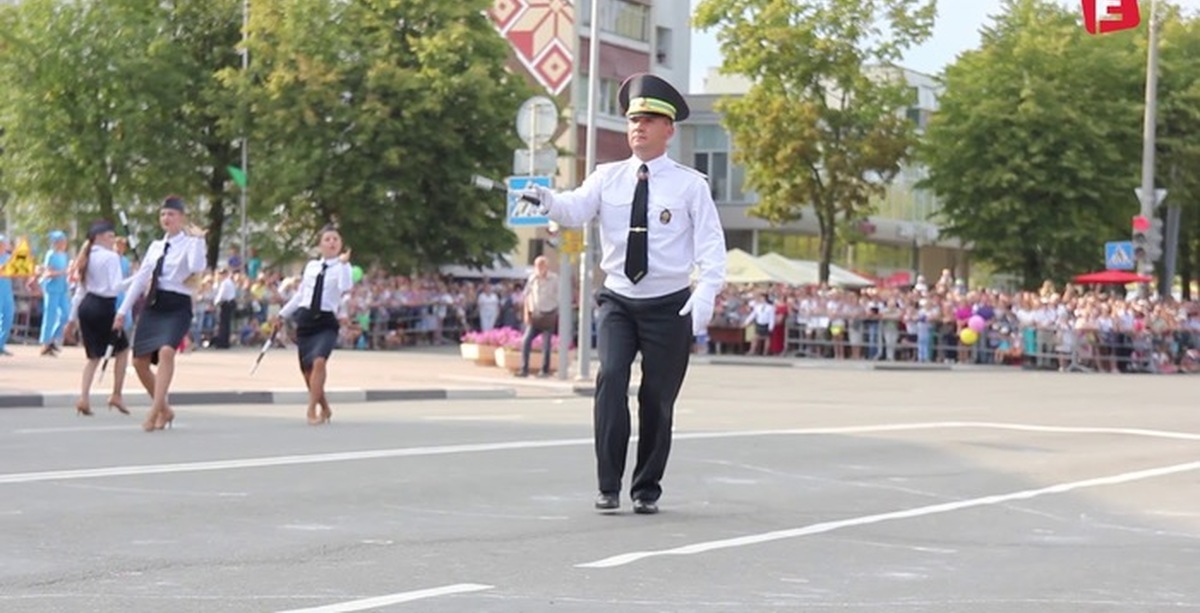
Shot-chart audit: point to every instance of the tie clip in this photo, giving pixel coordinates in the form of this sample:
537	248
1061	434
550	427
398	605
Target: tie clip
637	229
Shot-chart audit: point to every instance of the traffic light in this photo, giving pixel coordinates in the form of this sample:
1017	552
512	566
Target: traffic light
1147	238
1154	248
1141	238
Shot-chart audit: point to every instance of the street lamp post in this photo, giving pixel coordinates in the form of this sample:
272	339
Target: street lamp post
245	136
1147	193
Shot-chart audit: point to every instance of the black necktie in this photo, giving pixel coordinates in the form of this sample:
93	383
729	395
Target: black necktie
637	247
318	289
158	269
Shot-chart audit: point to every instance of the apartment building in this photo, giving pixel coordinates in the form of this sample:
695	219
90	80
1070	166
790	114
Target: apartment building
898	240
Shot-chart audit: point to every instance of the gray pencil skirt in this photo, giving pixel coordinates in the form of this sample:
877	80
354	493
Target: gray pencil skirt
316	336
163	324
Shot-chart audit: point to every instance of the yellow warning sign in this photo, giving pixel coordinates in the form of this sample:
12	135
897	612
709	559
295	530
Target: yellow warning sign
21	262
572	241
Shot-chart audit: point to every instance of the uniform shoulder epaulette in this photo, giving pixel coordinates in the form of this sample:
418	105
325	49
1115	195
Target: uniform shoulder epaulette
690	169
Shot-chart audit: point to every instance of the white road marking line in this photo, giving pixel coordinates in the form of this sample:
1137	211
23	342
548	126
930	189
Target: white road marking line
346	456
383	601
142	490
154	469
934	509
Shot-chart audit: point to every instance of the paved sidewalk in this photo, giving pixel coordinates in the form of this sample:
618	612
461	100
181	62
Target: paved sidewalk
210	376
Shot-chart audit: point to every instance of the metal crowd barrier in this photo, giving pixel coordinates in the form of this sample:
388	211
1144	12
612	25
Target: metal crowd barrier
1070	350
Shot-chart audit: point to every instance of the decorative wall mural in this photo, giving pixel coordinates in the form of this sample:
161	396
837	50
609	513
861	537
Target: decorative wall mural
542	32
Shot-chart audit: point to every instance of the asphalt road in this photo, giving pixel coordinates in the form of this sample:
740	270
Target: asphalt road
787	490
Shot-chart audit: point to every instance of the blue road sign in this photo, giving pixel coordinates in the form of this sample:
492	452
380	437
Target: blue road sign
1118	255
520	212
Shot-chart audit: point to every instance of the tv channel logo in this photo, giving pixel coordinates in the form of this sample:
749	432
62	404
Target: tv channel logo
1104	16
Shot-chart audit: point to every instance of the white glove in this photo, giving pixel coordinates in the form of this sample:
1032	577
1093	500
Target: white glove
543	194
701	308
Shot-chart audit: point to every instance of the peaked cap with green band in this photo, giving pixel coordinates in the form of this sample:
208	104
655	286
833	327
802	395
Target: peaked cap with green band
646	94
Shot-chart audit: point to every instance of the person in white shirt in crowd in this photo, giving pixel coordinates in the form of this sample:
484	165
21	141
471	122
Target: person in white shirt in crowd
540	313
99	275
488	303
657	224
164	277
762	317
226	301
319	312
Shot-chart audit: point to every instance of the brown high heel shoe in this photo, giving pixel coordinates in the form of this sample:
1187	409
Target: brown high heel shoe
82	409
118	405
326	416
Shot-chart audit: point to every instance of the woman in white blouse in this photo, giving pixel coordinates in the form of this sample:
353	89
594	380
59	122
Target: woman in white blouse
319	312
164	278
98	269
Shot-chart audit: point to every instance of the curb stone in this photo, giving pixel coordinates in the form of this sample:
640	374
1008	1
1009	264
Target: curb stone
260	397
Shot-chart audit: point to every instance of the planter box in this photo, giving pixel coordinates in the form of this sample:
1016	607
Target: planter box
482	355
510	359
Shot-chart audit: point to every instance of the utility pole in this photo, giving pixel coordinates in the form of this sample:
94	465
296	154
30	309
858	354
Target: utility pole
585	258
1146	195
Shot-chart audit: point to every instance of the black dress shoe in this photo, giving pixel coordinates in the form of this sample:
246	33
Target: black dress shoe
645	507
607	502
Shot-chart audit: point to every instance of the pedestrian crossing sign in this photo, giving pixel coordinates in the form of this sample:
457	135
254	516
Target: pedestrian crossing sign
1118	255
521	212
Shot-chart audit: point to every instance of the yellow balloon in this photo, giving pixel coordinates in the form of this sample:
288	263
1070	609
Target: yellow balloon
968	336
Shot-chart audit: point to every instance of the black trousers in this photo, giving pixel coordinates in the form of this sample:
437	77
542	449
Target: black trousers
654	328
224	324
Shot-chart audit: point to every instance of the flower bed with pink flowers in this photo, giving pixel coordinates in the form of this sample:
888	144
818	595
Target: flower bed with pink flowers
480	347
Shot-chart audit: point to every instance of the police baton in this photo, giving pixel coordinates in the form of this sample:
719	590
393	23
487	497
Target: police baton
129	235
483	182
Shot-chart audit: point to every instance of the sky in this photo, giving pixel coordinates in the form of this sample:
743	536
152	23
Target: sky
955	30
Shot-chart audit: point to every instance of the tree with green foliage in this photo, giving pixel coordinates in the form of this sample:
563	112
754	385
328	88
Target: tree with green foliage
84	103
1034	152
375	115
1178	133
823	124
204	38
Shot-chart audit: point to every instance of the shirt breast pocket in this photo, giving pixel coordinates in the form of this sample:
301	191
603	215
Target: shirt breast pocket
667	219
615	209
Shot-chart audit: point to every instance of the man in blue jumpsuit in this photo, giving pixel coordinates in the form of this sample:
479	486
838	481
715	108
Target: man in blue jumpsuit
56	299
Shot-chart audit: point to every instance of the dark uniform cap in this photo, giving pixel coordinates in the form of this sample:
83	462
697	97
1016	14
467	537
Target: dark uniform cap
99	227
174	203
646	94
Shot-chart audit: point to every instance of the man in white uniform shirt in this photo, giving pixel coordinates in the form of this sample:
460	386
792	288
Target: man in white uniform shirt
226	301
657	222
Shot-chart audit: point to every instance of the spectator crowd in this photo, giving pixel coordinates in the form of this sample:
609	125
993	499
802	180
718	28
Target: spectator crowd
1068	328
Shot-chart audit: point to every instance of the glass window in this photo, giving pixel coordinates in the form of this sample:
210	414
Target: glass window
609	103
662	44
701	162
718	179
627	19
737	178
711	138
